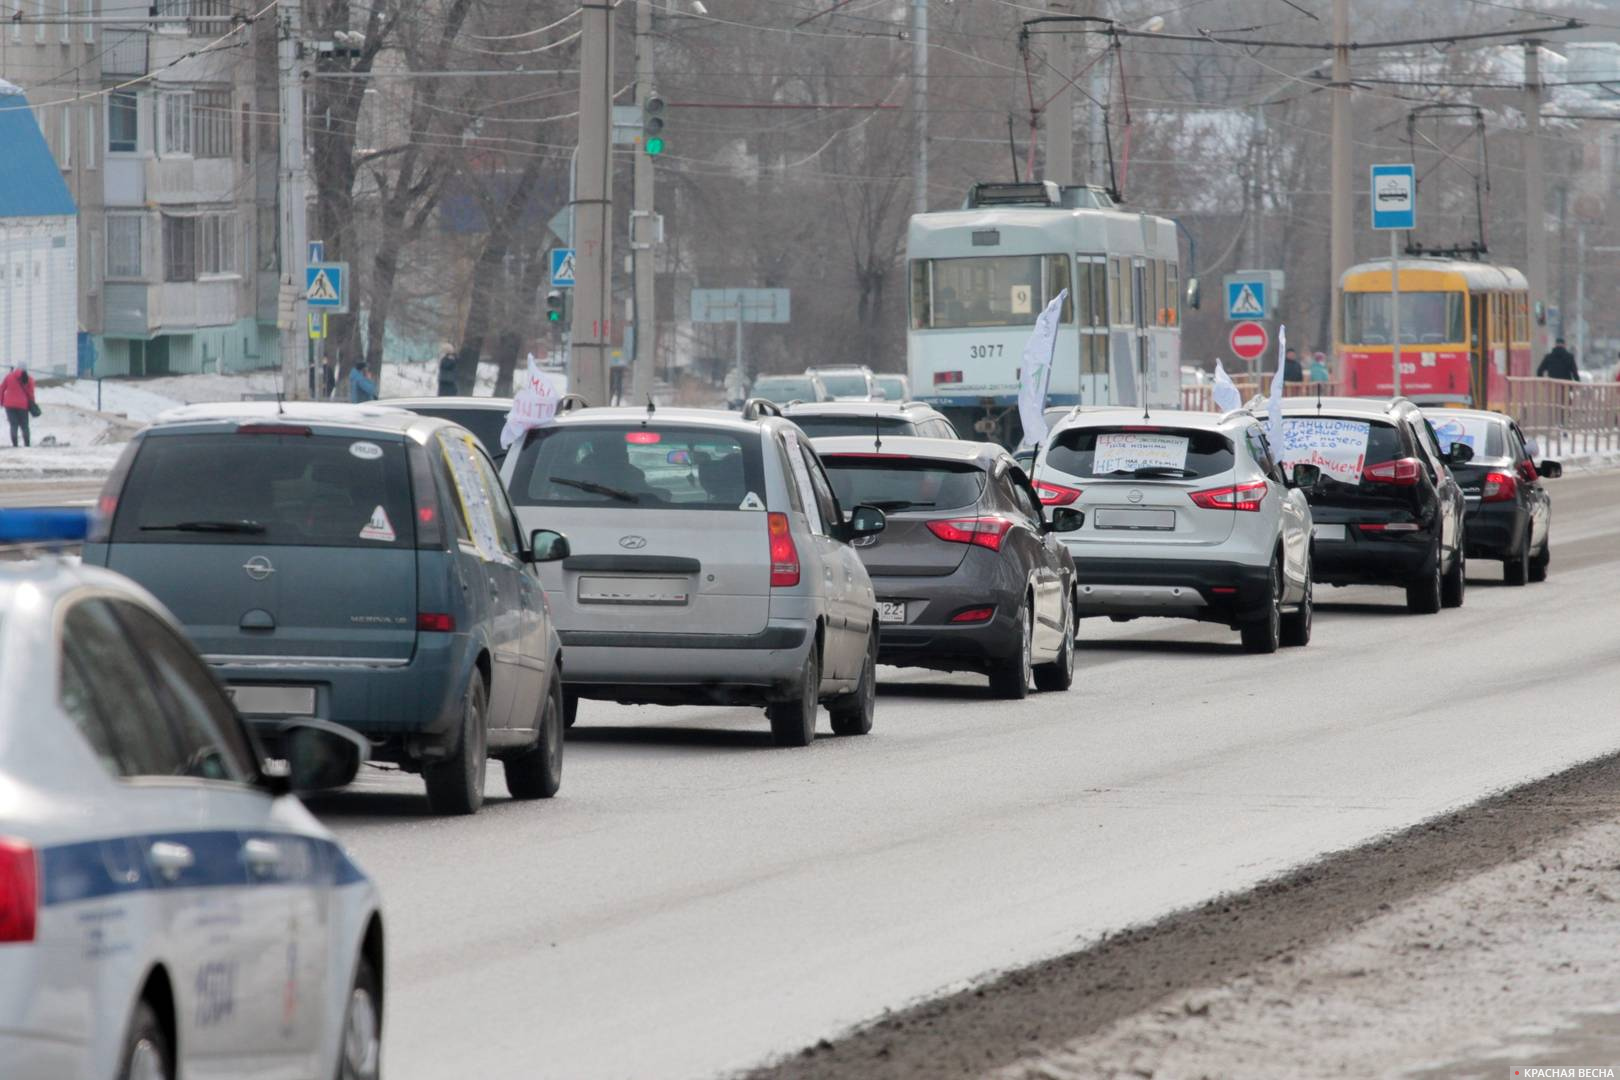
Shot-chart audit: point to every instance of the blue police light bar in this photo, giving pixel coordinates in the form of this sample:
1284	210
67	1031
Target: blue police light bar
43	525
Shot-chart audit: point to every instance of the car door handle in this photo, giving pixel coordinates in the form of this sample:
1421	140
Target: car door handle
261	856
170	859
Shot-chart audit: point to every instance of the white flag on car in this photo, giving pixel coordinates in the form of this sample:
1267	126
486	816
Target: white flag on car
1225	393
1274	402
1036	373
534	404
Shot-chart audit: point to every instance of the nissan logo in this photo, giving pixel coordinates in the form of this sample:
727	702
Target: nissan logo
632	543
258	568
1134	495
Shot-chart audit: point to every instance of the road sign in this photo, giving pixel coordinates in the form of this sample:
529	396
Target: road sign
626	125
1394	197
1246	298
317	325
562	268
1249	340
748	305
317	251
326	287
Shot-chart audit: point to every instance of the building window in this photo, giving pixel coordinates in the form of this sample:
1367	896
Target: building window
123	122
211	119
91	8
179	248
65	30
88	112
217	254
247	134
64	157
124	246
177	124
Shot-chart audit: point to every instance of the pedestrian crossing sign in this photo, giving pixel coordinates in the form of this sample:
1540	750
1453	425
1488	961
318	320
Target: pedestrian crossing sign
326	287
1246	299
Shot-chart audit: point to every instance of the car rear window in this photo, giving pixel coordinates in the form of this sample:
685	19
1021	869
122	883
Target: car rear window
1140	450
845	385
267	490
894	389
1341	446
821	427
896	483
485	424
1484	437
668	467
783	391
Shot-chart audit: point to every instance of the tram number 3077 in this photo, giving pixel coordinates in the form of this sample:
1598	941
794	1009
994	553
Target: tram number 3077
984	352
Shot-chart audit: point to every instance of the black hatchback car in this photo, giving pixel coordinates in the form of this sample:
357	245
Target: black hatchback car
1509	510
968	575
1387	509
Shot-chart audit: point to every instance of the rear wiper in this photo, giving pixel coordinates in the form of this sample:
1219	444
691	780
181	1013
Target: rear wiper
899	504
243	526
596	489
1151	470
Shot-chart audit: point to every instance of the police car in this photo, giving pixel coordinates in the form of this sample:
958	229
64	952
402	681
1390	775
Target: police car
168	907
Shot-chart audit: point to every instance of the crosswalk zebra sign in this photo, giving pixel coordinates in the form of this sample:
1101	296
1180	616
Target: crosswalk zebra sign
1246	299
326	287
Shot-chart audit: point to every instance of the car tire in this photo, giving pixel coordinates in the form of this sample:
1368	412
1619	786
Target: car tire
456	784
360	1053
793	720
1539	563
1296	625
536	773
1264	635
1516	568
1010	678
1059	674
147	1054
1454	587
570	709
1423	594
852	713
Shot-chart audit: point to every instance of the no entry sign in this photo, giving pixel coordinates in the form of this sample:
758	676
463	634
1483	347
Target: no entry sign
1249	340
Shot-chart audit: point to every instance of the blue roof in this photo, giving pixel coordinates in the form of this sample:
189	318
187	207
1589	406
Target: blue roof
30	182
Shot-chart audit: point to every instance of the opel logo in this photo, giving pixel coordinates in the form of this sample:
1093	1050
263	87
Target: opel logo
632	542
1134	495
258	568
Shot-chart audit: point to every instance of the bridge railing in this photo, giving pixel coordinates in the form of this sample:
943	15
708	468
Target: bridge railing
1568	417
1198	398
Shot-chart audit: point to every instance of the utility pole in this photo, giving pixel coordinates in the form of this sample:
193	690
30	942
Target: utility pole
1342	244
1059	105
919	104
643	222
593	207
1535	195
292	311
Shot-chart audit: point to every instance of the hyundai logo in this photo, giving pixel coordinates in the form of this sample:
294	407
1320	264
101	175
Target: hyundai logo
258	568
632	542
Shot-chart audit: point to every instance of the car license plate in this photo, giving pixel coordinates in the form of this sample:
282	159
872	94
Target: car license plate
1163	520
274	700
1327	532
658	591
891	611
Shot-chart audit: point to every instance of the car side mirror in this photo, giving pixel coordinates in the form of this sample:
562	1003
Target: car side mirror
1459	454
1065	519
866	520
1195	293
320	754
1550	470
1306	476
547	545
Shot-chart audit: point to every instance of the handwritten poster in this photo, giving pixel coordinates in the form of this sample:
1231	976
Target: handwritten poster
534	404
476	503
1127	451
1337	447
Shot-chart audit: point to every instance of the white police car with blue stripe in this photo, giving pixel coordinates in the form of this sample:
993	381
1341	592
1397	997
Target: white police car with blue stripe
168	907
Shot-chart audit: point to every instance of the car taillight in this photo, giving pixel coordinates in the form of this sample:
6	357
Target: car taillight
1499	487
1055	494
19	891
437	622
107	504
1402	472
985	532
1239	497
430	531
974	615
946	378
784	554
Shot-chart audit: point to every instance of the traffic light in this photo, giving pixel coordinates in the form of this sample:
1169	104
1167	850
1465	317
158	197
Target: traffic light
556	306
652	124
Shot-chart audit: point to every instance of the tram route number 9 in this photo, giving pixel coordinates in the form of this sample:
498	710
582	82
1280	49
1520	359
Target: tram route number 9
984	352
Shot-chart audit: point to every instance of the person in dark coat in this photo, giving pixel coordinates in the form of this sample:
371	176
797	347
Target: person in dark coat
447	371
1292	372
1559	364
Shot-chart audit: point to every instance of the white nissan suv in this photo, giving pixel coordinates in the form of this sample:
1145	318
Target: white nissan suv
1186	515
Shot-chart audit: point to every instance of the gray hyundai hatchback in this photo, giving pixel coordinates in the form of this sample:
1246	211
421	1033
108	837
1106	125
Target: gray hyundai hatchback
358	564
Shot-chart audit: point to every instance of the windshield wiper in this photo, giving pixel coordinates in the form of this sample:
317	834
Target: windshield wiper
596	489
243	526
1151	470
899	504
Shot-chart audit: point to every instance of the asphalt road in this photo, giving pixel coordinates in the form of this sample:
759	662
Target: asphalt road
696	901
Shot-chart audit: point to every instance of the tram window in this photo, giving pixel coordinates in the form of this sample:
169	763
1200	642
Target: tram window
1094	353
921	309
995	290
1091	288
1427	318
1172	295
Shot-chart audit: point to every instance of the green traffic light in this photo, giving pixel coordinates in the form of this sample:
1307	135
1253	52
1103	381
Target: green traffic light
554	315
655	145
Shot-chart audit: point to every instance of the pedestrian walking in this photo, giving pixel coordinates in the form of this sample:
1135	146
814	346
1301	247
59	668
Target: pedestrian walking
1292	372
616	373
361	385
1319	368
17	396
328	379
447	371
1559	364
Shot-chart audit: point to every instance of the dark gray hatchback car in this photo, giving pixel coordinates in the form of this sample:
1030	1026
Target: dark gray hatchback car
358	564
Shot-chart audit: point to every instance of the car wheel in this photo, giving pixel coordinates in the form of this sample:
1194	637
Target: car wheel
1264	634
793	721
146	1048
852	713
1539	564
1059	674
360	1056
536	773
1423	595
570	709
456	784
1296	625
1010	677
1516	568
1455	586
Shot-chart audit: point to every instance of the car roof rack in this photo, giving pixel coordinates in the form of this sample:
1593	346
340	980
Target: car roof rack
572	402
755	407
